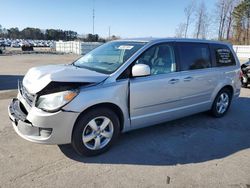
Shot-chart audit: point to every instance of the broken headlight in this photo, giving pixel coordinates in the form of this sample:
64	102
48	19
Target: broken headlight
55	101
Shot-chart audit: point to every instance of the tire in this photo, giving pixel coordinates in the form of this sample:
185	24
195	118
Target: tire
95	131
218	111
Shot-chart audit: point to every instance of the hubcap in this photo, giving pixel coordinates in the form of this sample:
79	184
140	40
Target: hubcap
98	133
222	103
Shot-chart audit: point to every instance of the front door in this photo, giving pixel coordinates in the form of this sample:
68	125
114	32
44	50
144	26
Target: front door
153	97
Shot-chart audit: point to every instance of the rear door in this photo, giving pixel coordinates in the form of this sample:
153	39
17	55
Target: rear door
198	79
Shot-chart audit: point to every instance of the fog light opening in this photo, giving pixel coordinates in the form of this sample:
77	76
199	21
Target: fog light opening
45	132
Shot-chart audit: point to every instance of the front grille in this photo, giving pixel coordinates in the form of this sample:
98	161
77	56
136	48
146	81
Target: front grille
29	98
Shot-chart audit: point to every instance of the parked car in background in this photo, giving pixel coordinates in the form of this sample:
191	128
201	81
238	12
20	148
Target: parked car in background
245	79
121	86
17	43
27	48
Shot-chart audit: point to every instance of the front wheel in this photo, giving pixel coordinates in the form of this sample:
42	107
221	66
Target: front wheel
221	103
95	131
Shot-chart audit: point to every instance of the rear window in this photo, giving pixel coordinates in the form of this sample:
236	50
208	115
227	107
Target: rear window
194	56
223	56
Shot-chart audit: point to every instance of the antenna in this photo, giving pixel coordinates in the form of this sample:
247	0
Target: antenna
93	17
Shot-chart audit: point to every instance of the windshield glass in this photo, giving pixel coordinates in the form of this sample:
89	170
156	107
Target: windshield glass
109	57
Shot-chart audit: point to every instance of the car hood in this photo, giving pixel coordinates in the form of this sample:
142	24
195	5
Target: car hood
38	78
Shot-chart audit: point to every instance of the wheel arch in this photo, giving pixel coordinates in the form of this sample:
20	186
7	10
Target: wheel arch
115	108
230	88
221	87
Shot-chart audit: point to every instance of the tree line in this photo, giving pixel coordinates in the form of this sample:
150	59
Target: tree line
37	34
228	21
49	34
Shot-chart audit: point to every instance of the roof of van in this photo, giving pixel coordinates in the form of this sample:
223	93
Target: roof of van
151	39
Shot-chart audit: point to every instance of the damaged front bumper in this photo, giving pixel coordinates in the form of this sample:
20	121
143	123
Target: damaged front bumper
22	125
38	126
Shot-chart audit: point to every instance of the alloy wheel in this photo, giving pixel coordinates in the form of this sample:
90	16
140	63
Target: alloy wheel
222	103
98	133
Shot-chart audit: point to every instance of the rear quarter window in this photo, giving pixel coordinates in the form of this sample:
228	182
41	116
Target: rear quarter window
223	56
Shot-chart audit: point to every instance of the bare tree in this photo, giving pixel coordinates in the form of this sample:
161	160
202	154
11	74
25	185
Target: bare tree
222	6
180	30
189	10
229	20
224	13
201	28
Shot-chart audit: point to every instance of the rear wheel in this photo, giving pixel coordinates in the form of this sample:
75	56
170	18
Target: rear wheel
221	103
95	131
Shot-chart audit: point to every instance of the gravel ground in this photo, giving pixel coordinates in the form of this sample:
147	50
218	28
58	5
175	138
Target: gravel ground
36	50
197	151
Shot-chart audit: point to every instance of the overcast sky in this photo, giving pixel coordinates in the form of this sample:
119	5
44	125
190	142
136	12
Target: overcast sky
127	18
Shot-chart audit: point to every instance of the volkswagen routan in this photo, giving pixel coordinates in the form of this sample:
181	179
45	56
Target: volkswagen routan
124	85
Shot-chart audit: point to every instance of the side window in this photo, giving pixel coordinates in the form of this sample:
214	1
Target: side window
223	56
194	56
160	58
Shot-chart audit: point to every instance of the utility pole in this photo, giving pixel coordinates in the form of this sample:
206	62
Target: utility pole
93	17
109	33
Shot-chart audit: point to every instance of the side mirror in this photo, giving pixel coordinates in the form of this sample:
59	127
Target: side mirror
140	70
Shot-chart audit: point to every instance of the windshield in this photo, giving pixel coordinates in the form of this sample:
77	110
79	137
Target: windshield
109	57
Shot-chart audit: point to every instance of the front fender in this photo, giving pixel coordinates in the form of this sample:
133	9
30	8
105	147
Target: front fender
115	93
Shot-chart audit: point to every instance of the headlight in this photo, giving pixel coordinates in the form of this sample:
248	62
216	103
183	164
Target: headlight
55	101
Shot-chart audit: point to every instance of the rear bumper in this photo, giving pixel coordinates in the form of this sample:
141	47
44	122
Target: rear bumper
42	127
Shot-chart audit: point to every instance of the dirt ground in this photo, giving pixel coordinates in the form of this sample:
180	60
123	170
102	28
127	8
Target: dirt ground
197	151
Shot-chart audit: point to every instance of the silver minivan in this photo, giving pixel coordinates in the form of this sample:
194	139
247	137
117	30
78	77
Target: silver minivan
124	85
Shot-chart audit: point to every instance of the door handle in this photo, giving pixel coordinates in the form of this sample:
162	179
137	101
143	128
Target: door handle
187	79
173	81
